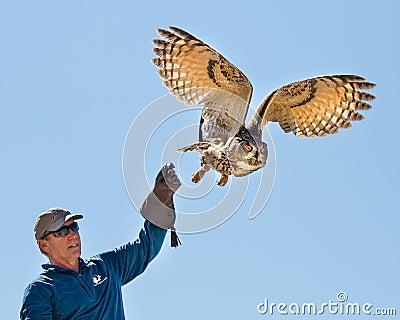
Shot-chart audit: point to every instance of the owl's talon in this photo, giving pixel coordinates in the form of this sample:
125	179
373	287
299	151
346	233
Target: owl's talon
197	176
223	180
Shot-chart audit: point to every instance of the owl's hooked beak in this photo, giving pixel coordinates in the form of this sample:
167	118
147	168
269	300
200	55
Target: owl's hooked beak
253	159
258	157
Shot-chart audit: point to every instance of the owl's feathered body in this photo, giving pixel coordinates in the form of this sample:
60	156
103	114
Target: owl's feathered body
197	74
230	157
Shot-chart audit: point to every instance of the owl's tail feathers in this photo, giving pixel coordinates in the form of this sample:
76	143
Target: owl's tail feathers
195	146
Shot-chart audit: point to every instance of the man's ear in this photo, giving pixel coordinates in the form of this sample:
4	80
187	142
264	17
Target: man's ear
43	245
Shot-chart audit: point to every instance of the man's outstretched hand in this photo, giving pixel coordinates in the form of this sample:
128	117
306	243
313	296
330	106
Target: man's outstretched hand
167	182
159	207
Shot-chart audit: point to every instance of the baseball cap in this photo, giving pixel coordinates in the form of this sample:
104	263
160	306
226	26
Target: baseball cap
52	220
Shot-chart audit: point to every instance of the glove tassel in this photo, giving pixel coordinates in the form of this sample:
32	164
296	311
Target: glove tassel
175	242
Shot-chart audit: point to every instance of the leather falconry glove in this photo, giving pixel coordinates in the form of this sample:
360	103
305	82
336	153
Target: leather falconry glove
158	208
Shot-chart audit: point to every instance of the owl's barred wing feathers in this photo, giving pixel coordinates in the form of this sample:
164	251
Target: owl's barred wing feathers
316	106
197	74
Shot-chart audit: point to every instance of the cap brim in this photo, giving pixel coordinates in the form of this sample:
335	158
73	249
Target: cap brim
58	224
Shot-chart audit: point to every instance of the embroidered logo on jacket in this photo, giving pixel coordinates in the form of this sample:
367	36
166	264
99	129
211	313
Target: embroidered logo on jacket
97	280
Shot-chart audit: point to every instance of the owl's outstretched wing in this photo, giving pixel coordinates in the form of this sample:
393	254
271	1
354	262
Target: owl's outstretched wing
316	106
197	74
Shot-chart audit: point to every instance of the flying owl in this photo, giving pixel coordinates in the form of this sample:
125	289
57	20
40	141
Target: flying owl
198	74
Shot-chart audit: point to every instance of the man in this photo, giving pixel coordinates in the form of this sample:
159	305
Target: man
73	288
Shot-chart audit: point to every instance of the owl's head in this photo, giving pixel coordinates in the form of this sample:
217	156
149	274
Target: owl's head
246	153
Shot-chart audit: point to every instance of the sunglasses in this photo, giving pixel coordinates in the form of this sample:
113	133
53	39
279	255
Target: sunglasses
64	231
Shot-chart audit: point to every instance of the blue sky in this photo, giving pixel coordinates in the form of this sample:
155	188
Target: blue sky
74	76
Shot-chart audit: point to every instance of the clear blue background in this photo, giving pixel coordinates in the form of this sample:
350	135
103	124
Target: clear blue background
75	74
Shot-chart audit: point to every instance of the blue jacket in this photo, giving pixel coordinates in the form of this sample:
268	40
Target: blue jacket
94	292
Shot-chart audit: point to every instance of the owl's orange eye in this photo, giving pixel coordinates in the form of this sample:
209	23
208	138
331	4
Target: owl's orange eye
248	148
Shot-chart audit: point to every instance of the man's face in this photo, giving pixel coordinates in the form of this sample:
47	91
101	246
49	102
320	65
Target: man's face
64	249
